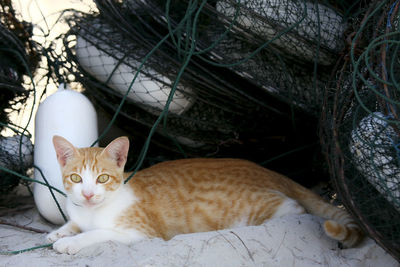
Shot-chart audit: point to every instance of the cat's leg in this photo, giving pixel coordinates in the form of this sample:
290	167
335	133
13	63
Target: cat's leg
68	229
73	244
288	206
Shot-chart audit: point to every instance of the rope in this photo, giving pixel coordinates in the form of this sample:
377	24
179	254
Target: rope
184	65
15	252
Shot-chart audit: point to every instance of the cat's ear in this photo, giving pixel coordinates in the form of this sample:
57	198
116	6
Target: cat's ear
118	150
64	149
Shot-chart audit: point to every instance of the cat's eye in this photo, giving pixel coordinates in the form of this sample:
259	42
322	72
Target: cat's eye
75	178
103	178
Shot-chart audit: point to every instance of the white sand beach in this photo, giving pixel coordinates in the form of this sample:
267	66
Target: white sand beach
296	240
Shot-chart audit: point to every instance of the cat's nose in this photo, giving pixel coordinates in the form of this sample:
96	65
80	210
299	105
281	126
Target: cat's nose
87	195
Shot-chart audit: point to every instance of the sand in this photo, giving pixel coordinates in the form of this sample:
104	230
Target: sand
296	240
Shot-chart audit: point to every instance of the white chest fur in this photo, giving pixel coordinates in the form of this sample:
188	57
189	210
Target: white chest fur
104	216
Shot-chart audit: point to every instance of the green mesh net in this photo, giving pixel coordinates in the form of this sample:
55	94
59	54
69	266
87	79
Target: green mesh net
284	47
220	78
18	57
233	87
361	125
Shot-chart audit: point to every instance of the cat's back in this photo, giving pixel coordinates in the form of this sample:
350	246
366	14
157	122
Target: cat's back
204	171
199	165
192	195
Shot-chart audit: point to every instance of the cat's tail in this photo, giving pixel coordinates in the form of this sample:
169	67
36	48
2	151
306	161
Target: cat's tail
339	225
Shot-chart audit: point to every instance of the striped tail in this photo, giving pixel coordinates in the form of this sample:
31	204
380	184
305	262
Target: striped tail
339	225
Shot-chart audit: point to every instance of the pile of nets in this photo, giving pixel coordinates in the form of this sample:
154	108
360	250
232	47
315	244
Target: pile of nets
360	125
193	79
19	57
283	47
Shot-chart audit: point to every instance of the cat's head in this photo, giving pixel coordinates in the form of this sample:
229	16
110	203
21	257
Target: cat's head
91	175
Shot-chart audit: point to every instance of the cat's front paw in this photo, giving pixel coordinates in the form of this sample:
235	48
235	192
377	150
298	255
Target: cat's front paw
67	229
57	234
67	245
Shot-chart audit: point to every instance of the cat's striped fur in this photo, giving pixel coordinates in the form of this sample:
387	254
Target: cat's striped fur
182	196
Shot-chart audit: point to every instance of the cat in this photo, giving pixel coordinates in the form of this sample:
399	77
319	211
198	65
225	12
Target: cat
176	197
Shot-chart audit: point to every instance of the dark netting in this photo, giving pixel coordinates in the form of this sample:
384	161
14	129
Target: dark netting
16	154
18	57
15	51
291	43
360	125
213	111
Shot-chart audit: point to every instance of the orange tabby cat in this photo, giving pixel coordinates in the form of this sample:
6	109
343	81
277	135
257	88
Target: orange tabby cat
170	198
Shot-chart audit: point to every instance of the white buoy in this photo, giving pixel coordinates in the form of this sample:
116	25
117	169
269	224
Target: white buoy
372	146
146	91
12	158
310	21
69	114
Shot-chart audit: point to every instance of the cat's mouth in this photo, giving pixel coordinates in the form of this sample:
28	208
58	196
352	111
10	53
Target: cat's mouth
90	203
87	203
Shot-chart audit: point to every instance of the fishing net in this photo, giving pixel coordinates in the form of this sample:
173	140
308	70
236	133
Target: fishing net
16	154
361	125
16	49
283	47
136	60
19	57
228	78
